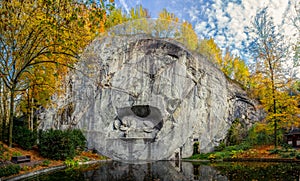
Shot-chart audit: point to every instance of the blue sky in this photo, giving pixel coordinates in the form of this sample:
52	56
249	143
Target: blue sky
224	20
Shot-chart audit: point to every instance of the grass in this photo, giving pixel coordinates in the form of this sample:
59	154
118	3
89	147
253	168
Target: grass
245	151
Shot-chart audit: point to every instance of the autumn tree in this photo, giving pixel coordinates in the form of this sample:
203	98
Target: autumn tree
232	66
211	51
168	25
270	54
296	23
188	36
37	34
136	21
115	17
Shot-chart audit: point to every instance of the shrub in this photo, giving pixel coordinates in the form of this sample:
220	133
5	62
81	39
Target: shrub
201	156
236	133
24	137
46	163
220	155
264	138
297	156
78	140
242	146
196	148
212	157
16	153
221	146
286	146
274	151
60	145
3	156
9	170
259	135
2	149
71	163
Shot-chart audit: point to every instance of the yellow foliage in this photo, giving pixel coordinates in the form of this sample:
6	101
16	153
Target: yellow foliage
233	67
41	41
188	36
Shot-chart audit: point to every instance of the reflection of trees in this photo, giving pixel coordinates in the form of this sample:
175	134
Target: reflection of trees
256	171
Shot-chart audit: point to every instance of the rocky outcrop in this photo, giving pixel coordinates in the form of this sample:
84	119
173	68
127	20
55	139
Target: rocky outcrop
141	98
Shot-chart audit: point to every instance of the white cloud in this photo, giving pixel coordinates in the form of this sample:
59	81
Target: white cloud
224	20
124	5
193	13
230	19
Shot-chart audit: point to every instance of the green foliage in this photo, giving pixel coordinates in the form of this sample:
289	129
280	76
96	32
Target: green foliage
286	146
70	163
9	170
196	148
24	137
60	145
242	146
236	133
274	151
85	159
259	171
218	156
2	149
16	153
78	140
263	138
259	136
201	156
25	168
286	152
297	156
223	152
221	146
3	156
46	163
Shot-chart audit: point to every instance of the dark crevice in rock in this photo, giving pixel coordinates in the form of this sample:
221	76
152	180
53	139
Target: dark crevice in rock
245	100
172	55
141	110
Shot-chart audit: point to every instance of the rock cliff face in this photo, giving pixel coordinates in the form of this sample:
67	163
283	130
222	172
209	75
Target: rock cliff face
140	98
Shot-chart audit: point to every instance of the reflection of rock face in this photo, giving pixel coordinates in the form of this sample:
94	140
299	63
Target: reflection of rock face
150	99
154	171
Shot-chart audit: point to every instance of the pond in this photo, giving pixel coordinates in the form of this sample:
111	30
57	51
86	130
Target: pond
166	170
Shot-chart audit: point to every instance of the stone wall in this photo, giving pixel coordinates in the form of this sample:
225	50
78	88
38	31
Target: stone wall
141	98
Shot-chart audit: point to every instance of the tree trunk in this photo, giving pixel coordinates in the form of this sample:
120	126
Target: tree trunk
274	109
275	122
2	110
4	113
11	117
31	114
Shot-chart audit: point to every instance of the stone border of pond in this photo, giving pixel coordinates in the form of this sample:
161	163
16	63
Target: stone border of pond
47	170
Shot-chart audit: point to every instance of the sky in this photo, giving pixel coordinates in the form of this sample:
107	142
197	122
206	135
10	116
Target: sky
224	20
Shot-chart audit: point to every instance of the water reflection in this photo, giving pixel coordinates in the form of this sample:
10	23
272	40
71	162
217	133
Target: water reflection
154	171
165	171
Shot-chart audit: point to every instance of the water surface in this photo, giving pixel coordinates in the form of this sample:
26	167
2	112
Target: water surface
165	170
